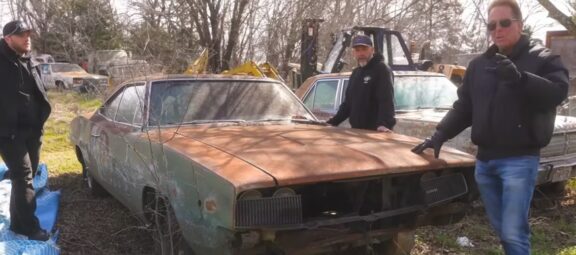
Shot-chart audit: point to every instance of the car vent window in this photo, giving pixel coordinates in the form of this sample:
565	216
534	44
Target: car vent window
130	108
109	109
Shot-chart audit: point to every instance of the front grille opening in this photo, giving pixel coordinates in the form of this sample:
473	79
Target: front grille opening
359	198
333	200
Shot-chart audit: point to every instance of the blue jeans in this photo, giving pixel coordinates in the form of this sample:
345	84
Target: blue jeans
506	187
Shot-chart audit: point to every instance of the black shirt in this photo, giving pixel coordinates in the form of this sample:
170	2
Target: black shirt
29	110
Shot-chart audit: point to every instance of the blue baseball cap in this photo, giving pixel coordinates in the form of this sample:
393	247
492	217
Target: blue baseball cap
362	40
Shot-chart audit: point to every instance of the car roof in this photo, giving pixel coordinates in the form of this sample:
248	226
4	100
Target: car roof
396	73
165	77
308	82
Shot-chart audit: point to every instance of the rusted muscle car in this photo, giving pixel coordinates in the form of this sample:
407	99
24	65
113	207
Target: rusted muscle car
422	99
240	166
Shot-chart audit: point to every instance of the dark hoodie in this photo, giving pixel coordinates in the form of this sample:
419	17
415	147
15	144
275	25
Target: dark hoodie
23	100
369	101
509	119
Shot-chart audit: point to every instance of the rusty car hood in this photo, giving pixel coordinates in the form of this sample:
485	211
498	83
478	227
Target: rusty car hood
269	155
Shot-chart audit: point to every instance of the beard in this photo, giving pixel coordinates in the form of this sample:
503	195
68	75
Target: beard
24	49
21	49
362	62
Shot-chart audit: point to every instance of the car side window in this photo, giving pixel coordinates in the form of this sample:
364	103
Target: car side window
131	105
323	95
110	108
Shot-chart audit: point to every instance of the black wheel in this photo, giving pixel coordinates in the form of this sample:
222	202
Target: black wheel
60	86
555	189
548	196
95	188
168	239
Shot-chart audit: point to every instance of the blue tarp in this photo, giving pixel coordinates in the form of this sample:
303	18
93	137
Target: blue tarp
46	210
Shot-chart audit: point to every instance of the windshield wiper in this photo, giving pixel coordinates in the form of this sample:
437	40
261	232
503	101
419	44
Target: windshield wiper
213	121
271	119
309	121
297	120
434	107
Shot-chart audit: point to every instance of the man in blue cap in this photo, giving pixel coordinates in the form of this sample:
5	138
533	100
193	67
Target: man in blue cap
369	101
24	108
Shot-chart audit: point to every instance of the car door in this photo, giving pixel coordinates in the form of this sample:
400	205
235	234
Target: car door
127	155
323	98
110	134
99	145
47	77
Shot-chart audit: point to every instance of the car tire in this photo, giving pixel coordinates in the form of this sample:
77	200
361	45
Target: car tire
60	86
555	189
168	239
547	196
95	188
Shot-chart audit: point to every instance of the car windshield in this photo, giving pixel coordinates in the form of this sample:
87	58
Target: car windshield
193	101
420	92
64	68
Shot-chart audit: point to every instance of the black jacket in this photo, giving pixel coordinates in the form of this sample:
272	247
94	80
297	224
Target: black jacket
509	119
12	77
369	101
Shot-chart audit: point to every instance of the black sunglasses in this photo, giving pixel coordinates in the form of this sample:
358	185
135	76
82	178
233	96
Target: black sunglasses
503	23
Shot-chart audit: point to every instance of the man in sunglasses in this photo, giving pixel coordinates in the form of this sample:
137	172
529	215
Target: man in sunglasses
509	97
24	108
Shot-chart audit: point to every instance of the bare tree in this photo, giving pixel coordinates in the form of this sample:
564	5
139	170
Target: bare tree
569	22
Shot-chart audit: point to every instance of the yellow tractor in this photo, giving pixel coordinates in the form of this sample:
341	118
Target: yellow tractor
247	68
454	72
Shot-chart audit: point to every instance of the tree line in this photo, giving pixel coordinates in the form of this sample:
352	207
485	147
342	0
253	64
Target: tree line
173	32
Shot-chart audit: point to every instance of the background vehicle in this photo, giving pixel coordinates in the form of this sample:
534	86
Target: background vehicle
422	99
119	66
43	58
71	76
239	165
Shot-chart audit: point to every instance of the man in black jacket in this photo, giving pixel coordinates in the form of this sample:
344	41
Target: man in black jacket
509	97
369	101
24	108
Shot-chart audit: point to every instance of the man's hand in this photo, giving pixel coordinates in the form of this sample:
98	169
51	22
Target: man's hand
383	129
435	142
506	69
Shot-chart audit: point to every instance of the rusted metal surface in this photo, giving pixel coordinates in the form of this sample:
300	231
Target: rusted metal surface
253	156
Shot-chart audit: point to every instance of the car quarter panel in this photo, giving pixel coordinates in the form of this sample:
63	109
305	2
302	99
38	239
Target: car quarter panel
203	201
